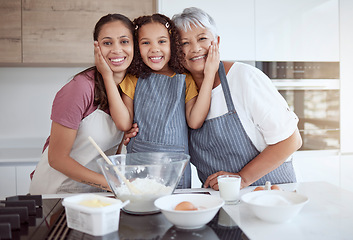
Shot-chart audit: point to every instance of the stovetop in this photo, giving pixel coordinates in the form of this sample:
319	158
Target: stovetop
31	217
26	216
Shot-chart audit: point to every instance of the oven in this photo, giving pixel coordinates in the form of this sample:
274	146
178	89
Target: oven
312	91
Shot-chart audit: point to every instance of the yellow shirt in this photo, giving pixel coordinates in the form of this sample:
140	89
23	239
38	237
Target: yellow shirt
128	86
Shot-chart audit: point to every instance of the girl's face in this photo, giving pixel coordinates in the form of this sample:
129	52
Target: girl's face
154	43
116	43
196	43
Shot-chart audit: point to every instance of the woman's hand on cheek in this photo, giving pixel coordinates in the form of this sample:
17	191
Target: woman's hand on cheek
213	59
101	64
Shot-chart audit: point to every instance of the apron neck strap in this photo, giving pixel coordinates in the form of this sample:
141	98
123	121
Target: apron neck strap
225	87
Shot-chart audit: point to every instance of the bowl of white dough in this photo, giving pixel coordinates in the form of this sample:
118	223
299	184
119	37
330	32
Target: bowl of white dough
275	206
143	177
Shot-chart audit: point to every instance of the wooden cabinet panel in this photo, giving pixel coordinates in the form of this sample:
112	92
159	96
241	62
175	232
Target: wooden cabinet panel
10	31
61	31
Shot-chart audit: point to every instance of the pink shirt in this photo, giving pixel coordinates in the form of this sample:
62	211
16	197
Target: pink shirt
73	102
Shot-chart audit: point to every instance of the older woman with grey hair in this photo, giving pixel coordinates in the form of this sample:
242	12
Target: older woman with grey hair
250	130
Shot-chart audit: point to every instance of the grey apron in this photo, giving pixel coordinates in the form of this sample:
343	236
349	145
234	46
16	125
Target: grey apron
222	144
159	111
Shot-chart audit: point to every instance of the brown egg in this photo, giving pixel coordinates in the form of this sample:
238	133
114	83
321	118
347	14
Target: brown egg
275	187
259	188
185	206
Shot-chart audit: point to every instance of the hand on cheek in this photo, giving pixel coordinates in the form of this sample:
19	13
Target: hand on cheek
213	59
100	62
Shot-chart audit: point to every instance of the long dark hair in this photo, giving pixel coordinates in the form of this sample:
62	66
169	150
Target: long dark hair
138	67
100	94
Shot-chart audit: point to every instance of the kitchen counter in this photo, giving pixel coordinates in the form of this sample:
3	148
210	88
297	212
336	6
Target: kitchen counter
327	215
19	155
17	151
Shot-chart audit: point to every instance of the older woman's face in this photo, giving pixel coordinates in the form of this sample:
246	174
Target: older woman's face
196	42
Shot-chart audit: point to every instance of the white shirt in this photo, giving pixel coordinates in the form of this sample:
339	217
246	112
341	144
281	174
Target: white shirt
262	110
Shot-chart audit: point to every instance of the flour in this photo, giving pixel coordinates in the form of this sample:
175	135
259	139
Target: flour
143	202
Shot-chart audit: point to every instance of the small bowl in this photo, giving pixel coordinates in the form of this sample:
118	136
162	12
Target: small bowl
275	206
207	205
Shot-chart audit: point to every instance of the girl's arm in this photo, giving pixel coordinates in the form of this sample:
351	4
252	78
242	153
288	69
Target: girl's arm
60	145
196	109
121	107
268	160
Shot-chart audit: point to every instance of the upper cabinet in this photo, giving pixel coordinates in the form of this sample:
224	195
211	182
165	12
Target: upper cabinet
56	32
59	32
234	20
10	31
300	30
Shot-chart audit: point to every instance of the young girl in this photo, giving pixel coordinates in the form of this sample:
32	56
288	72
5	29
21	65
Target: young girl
80	109
166	101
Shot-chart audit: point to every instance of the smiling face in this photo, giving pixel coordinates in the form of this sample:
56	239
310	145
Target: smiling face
116	44
154	44
196	42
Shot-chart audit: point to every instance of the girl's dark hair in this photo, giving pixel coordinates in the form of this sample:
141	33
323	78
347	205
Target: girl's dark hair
138	67
100	94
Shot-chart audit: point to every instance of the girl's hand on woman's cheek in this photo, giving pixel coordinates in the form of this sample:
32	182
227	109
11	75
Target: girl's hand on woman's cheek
101	64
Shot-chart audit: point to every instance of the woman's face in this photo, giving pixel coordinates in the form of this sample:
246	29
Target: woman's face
196	42
154	44
116	43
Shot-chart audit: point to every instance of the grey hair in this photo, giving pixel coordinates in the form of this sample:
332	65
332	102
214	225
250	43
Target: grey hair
197	17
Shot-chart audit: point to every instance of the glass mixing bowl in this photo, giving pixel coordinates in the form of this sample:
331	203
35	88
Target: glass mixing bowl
143	177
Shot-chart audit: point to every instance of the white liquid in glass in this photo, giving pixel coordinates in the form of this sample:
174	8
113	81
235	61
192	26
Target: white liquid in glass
229	188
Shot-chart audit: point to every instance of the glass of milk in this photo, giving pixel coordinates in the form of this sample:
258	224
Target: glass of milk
229	188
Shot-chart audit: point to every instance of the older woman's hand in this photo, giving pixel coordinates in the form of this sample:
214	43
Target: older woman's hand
212	181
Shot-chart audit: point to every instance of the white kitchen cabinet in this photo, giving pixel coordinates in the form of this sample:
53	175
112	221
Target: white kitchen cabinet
234	19
18	158
7	181
23	178
346	72
346	169
15	179
317	166
297	30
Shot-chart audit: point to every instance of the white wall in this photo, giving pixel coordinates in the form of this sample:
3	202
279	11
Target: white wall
234	19
26	96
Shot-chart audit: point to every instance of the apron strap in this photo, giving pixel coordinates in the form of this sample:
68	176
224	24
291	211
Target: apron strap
225	87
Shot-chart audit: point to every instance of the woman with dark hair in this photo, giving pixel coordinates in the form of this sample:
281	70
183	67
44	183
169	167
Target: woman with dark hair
81	109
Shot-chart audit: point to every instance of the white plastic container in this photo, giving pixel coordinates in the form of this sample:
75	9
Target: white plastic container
96	221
